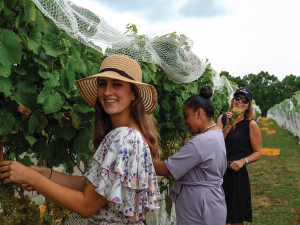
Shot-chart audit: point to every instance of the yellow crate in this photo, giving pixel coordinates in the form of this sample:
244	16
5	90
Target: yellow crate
265	128
265	124
271	131
264	118
266	151
274	152
270	152
261	121
271	123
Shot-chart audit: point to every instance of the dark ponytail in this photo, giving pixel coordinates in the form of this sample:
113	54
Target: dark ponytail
202	101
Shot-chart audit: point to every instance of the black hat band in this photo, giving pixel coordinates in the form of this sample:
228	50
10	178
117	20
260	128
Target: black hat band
121	72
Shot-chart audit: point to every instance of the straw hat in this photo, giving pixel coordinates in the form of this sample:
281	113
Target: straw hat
123	68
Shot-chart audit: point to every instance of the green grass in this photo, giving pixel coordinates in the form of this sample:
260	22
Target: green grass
275	180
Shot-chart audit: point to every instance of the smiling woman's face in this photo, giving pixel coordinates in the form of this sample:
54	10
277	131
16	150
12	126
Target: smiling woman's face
114	95
240	104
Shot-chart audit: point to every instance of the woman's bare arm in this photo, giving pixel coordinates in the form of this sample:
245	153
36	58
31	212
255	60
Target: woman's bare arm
161	169
69	181
85	203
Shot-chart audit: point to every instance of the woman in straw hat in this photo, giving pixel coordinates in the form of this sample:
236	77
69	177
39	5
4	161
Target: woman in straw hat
120	183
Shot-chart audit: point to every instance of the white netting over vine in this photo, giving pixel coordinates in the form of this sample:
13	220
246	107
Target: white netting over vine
169	51
287	114
172	52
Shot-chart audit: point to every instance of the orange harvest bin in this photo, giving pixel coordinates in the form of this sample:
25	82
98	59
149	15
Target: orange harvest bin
271	122
265	128
271	131
265	124
264	118
270	152
261	121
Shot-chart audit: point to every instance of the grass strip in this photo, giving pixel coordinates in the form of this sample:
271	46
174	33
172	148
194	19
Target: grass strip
275	180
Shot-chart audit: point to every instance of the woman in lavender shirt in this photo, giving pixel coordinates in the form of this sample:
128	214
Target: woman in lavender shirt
199	166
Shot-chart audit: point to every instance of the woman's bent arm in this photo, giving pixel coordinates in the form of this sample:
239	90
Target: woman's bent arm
256	142
161	169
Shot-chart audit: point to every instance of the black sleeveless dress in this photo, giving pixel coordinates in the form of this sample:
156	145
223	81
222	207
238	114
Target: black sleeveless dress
236	185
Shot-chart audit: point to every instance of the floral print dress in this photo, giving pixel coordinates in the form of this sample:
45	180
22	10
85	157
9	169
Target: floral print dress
122	172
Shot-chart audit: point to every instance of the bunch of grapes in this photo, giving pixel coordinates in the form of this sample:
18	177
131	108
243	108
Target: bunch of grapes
17	210
235	114
59	214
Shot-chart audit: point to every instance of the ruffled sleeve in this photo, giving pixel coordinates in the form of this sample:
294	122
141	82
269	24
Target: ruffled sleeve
122	171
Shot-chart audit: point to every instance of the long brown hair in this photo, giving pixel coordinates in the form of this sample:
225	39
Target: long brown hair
249	113
146	122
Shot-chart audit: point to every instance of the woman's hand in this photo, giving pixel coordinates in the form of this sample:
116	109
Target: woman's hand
229	115
237	165
13	171
36	168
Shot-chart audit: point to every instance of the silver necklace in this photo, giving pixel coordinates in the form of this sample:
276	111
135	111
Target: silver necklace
209	127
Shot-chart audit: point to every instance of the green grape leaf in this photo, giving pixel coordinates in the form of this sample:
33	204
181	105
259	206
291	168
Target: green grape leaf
169	85
192	87
52	103
39	61
71	76
166	104
21	124
26	95
51	79
58	116
5	71
53	46
170	125
39	145
10	48
30	12
6	122
37	123
75	54
26	161
185	95
33	38
67	133
19	69
31	139
5	86
146	76
153	67
82	141
83	108
43	95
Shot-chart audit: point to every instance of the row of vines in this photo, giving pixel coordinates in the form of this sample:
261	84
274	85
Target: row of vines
287	114
42	113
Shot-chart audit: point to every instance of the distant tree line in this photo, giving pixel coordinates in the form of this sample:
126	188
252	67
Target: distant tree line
267	89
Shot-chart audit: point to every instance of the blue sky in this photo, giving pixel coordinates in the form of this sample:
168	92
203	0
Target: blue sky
238	36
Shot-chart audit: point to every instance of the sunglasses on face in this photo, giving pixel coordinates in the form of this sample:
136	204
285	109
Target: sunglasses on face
244	100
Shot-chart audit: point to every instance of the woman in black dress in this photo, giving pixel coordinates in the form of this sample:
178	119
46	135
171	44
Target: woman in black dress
243	146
